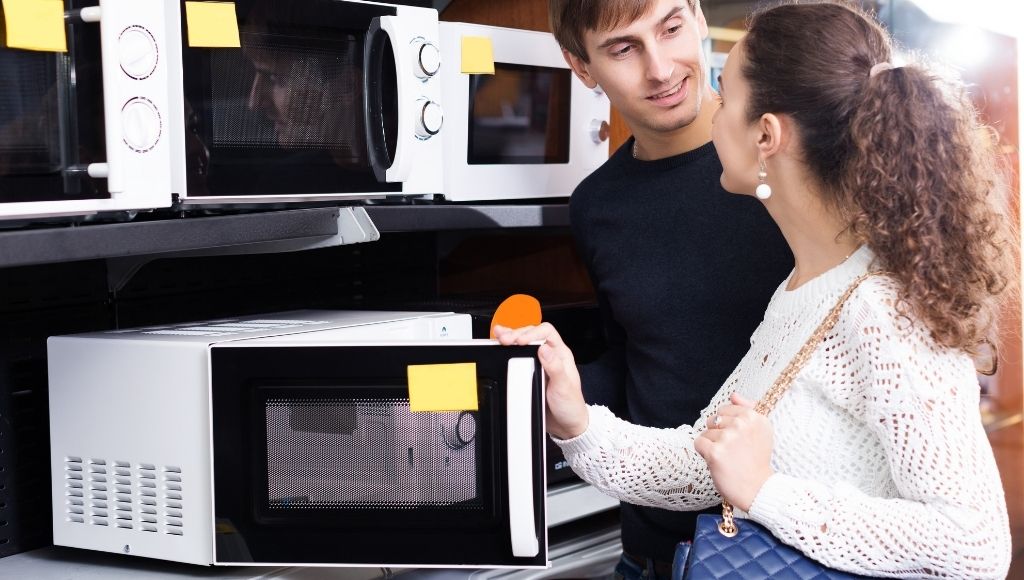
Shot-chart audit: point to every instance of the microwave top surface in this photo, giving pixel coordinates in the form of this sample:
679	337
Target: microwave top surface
277	324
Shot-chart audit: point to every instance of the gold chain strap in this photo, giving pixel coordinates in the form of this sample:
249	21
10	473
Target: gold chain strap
728	525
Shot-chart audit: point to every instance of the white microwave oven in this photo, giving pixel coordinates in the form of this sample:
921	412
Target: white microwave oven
86	130
530	130
289	439
322	100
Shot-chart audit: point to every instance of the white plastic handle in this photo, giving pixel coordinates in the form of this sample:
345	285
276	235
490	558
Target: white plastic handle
519	391
111	106
401	40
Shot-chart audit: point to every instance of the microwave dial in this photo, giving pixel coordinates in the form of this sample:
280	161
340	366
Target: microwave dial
428	60
140	124
137	52
430	119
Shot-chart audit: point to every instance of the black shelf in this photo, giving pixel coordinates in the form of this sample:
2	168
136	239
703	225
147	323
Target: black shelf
284	230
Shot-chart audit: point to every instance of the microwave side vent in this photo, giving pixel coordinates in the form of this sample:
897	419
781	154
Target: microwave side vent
121	496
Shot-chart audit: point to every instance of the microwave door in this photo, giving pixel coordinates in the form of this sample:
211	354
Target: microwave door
319	459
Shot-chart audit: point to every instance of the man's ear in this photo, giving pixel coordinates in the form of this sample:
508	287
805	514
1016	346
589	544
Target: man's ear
771	134
579	67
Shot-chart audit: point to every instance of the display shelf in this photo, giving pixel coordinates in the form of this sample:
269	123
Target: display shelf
258	232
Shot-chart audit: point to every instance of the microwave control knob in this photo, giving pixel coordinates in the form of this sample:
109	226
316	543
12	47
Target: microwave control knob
599	131
140	123
428	61
430	121
137	52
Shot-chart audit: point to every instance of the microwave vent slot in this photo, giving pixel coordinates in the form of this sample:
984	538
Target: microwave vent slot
119	495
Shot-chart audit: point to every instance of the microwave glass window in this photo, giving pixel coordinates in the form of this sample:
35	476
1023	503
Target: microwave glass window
51	120
284	114
338	453
519	115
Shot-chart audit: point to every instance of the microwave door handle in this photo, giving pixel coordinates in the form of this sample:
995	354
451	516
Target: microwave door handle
113	168
519	393
381	29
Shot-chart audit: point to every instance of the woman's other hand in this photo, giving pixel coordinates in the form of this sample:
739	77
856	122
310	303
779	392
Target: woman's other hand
567	414
737	446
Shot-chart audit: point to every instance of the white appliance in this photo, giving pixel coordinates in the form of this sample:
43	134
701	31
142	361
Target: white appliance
530	130
324	100
85	131
289	439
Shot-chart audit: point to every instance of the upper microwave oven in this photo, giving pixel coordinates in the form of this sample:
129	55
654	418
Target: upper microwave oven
323	100
85	131
530	130
289	439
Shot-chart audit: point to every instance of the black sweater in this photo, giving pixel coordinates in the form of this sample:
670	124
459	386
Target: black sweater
683	272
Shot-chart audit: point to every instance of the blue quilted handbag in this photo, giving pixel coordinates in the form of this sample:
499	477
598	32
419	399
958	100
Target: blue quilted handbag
724	547
751	554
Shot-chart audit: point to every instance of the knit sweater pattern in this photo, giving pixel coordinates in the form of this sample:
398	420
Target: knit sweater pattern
882	465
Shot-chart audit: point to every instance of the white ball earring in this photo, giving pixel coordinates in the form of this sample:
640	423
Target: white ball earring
763	191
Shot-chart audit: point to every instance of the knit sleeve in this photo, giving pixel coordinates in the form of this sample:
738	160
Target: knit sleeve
643	465
946	514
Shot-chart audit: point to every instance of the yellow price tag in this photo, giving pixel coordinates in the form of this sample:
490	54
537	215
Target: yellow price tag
35	25
212	25
446	387
477	55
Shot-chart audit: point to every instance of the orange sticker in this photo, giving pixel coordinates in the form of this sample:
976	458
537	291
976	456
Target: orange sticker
516	311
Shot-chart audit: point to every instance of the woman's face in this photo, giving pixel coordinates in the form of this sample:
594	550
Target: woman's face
735	137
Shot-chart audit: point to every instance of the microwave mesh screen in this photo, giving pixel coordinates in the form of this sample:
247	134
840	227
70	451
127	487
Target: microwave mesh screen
29	128
290	97
370	453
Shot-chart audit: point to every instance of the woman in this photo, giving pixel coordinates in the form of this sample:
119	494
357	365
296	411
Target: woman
875	461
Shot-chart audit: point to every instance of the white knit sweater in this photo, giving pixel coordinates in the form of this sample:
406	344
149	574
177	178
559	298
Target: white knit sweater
882	465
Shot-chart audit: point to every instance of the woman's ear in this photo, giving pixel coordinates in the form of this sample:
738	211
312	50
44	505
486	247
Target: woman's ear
579	67
771	134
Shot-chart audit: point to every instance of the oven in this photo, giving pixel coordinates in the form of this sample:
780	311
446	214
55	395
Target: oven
529	130
318	100
84	131
296	438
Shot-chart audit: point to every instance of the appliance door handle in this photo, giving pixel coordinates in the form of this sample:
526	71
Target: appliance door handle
386	169
113	168
519	393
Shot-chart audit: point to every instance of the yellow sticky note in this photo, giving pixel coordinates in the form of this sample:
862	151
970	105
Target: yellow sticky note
477	55
212	25
449	387
35	25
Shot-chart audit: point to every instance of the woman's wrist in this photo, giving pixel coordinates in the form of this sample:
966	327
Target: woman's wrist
756	482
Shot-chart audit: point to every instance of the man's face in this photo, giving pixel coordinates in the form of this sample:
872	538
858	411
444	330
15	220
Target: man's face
652	69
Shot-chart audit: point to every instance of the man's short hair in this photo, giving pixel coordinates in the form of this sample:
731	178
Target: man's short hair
570	19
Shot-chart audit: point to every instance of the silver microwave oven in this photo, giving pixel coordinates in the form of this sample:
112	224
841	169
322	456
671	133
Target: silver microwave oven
321	100
86	130
289	439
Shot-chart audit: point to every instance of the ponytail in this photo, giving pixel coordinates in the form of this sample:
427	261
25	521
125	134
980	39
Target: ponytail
921	187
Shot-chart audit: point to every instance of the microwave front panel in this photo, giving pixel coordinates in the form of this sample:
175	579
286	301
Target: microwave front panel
83	131
530	130
318	459
285	116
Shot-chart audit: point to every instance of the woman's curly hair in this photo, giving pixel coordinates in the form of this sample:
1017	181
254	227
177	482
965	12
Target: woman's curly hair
900	152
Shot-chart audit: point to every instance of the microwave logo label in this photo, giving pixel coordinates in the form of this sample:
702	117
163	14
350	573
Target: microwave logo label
561	465
444	332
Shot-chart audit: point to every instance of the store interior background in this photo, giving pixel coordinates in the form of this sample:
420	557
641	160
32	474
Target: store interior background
467	270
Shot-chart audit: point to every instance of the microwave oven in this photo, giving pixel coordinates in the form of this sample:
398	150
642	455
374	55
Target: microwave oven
530	130
323	100
289	439
85	131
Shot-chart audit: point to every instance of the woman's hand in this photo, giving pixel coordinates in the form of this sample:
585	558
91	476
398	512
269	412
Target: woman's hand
567	414
738	449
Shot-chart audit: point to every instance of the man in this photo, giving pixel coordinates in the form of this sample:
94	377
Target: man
683	270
